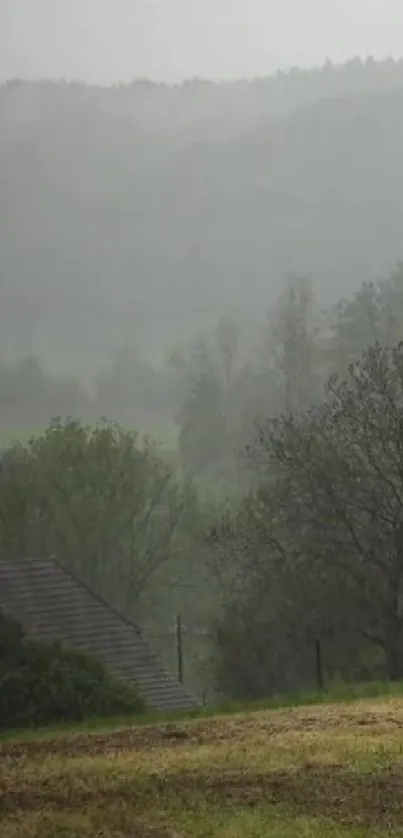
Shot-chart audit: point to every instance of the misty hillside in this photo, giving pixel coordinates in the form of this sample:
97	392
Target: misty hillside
140	213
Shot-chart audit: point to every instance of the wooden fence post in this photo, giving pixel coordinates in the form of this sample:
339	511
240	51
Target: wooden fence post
179	647
319	664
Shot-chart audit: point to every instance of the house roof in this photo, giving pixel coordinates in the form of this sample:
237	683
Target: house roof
50	603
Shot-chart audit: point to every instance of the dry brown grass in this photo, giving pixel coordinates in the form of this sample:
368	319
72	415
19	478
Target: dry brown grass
298	771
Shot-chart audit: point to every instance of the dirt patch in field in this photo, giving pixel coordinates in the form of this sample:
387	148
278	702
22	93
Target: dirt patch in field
375	718
333	792
105	744
345	796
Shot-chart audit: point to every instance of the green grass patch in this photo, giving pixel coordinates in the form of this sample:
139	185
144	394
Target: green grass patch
276	822
265	821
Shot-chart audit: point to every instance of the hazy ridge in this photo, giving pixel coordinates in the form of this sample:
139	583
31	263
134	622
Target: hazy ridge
138	214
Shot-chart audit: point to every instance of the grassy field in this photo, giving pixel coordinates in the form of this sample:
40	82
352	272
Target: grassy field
336	692
319	770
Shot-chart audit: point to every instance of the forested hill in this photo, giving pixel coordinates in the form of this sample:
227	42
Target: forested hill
150	210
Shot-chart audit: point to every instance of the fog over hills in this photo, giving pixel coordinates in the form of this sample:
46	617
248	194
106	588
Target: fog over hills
143	212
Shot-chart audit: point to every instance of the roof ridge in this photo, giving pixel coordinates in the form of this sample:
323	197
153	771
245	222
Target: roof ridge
121	616
25	567
95	595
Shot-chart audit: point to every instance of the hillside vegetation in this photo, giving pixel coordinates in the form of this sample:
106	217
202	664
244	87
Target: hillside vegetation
151	210
318	771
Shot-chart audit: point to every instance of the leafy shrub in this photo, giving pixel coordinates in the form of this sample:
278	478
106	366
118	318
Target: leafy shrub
43	683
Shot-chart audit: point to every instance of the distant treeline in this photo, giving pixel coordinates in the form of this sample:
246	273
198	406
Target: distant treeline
216	385
129	391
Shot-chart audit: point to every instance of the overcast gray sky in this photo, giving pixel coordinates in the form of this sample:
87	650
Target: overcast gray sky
112	40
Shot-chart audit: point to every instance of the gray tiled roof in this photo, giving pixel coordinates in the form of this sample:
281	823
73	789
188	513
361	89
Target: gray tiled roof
50	603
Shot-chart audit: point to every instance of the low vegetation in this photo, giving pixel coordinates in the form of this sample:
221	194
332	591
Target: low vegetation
335	693
322	770
41	683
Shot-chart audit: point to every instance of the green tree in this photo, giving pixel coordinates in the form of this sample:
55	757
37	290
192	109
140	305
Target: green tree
276	602
341	483
373	313
290	345
316	548
208	418
99	498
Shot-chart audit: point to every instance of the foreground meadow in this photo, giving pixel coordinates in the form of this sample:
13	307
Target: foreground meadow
312	771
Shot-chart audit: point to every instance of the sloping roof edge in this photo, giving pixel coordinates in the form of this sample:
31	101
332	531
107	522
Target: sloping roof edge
174	692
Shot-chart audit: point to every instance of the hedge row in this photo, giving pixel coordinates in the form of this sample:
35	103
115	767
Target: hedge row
44	683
